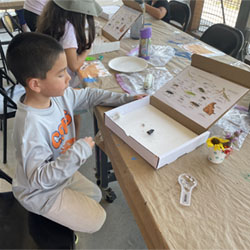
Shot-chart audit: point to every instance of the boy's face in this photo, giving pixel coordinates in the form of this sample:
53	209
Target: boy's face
57	79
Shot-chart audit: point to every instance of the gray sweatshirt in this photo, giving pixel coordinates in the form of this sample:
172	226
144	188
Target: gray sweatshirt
46	150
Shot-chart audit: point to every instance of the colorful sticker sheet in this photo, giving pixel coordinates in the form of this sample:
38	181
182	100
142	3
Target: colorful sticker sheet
92	70
201	49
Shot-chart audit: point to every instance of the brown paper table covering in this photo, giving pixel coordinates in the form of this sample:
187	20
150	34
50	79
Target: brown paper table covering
218	217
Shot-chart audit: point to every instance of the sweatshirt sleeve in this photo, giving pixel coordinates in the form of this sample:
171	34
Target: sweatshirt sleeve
90	97
47	173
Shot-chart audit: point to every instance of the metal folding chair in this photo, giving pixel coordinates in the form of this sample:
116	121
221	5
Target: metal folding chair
225	38
181	13
11	26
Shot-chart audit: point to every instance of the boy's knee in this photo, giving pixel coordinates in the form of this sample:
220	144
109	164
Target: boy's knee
98	221
98	194
95	222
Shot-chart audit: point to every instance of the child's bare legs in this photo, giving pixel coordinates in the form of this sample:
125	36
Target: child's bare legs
77	120
22	22
77	206
25	28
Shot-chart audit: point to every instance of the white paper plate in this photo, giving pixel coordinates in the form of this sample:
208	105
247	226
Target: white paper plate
128	64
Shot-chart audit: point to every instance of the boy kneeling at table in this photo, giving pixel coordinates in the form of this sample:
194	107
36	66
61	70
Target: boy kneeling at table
47	180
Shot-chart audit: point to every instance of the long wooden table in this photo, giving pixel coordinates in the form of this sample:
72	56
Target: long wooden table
218	217
11	4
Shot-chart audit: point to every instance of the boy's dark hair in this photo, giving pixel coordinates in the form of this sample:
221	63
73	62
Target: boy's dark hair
32	55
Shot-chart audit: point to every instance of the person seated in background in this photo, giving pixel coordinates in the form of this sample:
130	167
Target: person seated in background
66	21
32	10
158	9
21	20
47	180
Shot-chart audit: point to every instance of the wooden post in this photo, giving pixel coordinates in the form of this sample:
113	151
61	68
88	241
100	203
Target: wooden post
196	11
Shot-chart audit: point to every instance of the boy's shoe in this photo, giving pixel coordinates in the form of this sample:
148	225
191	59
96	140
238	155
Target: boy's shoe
76	239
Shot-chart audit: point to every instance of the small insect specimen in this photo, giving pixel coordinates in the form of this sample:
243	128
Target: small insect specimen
209	109
195	104
150	131
203	97
169	92
223	91
224	94
202	90
122	28
190	93
116	116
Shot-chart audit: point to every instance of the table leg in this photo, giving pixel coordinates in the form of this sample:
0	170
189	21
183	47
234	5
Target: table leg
104	171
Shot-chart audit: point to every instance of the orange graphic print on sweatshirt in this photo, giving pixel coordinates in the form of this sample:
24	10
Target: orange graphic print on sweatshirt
58	136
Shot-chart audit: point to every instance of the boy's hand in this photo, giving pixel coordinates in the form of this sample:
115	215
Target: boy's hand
90	141
137	97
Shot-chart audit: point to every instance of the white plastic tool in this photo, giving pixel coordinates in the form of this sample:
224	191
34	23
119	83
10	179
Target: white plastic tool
187	182
148	82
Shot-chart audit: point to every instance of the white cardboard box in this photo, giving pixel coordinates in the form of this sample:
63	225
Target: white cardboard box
162	154
108	11
115	29
179	126
120	22
104	45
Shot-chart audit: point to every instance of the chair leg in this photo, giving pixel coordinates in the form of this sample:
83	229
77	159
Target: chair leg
5	176
4	140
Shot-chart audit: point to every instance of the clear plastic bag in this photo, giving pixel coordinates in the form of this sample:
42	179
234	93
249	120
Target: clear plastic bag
159	55
237	120
92	70
134	83
241	65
